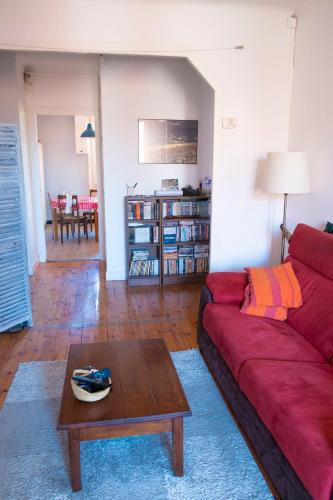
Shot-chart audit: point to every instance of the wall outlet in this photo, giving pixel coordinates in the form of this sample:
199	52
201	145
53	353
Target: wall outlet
229	122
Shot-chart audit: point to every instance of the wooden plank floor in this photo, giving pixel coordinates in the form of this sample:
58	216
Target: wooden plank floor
72	303
70	250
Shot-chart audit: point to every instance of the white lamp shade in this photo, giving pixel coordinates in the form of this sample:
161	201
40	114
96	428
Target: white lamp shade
286	173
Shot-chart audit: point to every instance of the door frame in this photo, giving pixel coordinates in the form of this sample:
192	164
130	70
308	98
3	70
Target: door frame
32	114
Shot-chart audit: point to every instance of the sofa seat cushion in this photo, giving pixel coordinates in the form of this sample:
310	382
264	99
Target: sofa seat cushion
240	337
295	402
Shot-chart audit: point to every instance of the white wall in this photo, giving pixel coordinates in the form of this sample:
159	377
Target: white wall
11	112
8	90
65	170
253	85
311	124
138	87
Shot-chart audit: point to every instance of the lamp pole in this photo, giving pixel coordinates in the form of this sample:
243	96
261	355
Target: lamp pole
284	224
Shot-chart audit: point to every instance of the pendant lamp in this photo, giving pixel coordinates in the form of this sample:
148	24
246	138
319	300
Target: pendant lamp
89	131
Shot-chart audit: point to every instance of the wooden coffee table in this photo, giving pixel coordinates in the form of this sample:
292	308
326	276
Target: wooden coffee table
146	398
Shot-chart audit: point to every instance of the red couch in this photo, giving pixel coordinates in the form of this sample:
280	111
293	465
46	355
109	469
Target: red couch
278	376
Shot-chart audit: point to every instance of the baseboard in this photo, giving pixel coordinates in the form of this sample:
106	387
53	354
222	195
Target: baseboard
33	268
115	275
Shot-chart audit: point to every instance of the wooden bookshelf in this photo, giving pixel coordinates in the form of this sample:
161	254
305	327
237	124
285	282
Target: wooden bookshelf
138	210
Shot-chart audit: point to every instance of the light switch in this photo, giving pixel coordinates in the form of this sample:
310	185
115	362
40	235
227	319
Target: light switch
229	122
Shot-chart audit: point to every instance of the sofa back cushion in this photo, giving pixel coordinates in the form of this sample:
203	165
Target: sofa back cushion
314	320
311	253
314	248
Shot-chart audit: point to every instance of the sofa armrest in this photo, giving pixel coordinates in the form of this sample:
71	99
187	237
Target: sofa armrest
227	288
205	298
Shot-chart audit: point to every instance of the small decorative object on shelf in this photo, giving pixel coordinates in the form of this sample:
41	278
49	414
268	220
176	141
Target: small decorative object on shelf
131	189
190	191
170	187
89	384
167	239
205	186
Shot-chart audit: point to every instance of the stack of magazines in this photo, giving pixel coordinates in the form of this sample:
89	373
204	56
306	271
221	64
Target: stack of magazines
185	251
170	253
201	251
142	264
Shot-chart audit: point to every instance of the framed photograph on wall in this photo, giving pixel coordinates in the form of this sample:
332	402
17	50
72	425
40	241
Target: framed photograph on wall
168	141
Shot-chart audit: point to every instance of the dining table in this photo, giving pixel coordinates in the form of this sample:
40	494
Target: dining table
84	202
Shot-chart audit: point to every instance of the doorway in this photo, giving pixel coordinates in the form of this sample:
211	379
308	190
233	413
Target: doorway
68	169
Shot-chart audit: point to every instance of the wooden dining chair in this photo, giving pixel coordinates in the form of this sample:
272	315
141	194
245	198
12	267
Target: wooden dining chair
55	218
72	219
90	214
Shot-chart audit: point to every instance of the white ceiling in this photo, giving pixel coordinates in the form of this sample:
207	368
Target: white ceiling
278	3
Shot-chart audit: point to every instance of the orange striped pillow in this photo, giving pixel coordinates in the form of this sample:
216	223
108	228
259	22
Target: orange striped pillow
279	313
271	291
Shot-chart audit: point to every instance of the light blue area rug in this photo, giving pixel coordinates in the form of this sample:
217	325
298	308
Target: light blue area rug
34	460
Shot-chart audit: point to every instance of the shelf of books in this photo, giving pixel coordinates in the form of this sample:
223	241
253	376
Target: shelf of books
167	239
143	240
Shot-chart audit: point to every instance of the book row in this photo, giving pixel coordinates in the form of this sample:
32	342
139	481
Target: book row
196	251
148	267
142	210
186	232
186	265
140	254
199	208
140	233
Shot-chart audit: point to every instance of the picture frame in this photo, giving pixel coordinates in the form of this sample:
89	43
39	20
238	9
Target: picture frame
168	141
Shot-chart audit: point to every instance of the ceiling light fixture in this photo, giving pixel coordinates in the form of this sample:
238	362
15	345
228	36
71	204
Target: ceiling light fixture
89	132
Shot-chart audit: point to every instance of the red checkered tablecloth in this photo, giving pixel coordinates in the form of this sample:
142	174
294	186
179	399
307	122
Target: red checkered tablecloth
85	203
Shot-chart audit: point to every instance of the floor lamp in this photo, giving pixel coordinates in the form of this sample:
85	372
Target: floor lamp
286	173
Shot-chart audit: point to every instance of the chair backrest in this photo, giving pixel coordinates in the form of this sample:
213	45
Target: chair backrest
75	211
62	204
93	192
75	205
50	200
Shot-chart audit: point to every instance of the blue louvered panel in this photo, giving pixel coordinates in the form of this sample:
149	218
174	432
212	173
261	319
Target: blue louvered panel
15	306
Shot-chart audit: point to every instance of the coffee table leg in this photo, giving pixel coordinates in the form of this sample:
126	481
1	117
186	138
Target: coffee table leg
178	453
74	458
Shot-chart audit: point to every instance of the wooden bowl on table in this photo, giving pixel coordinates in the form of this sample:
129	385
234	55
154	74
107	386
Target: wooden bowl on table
82	394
